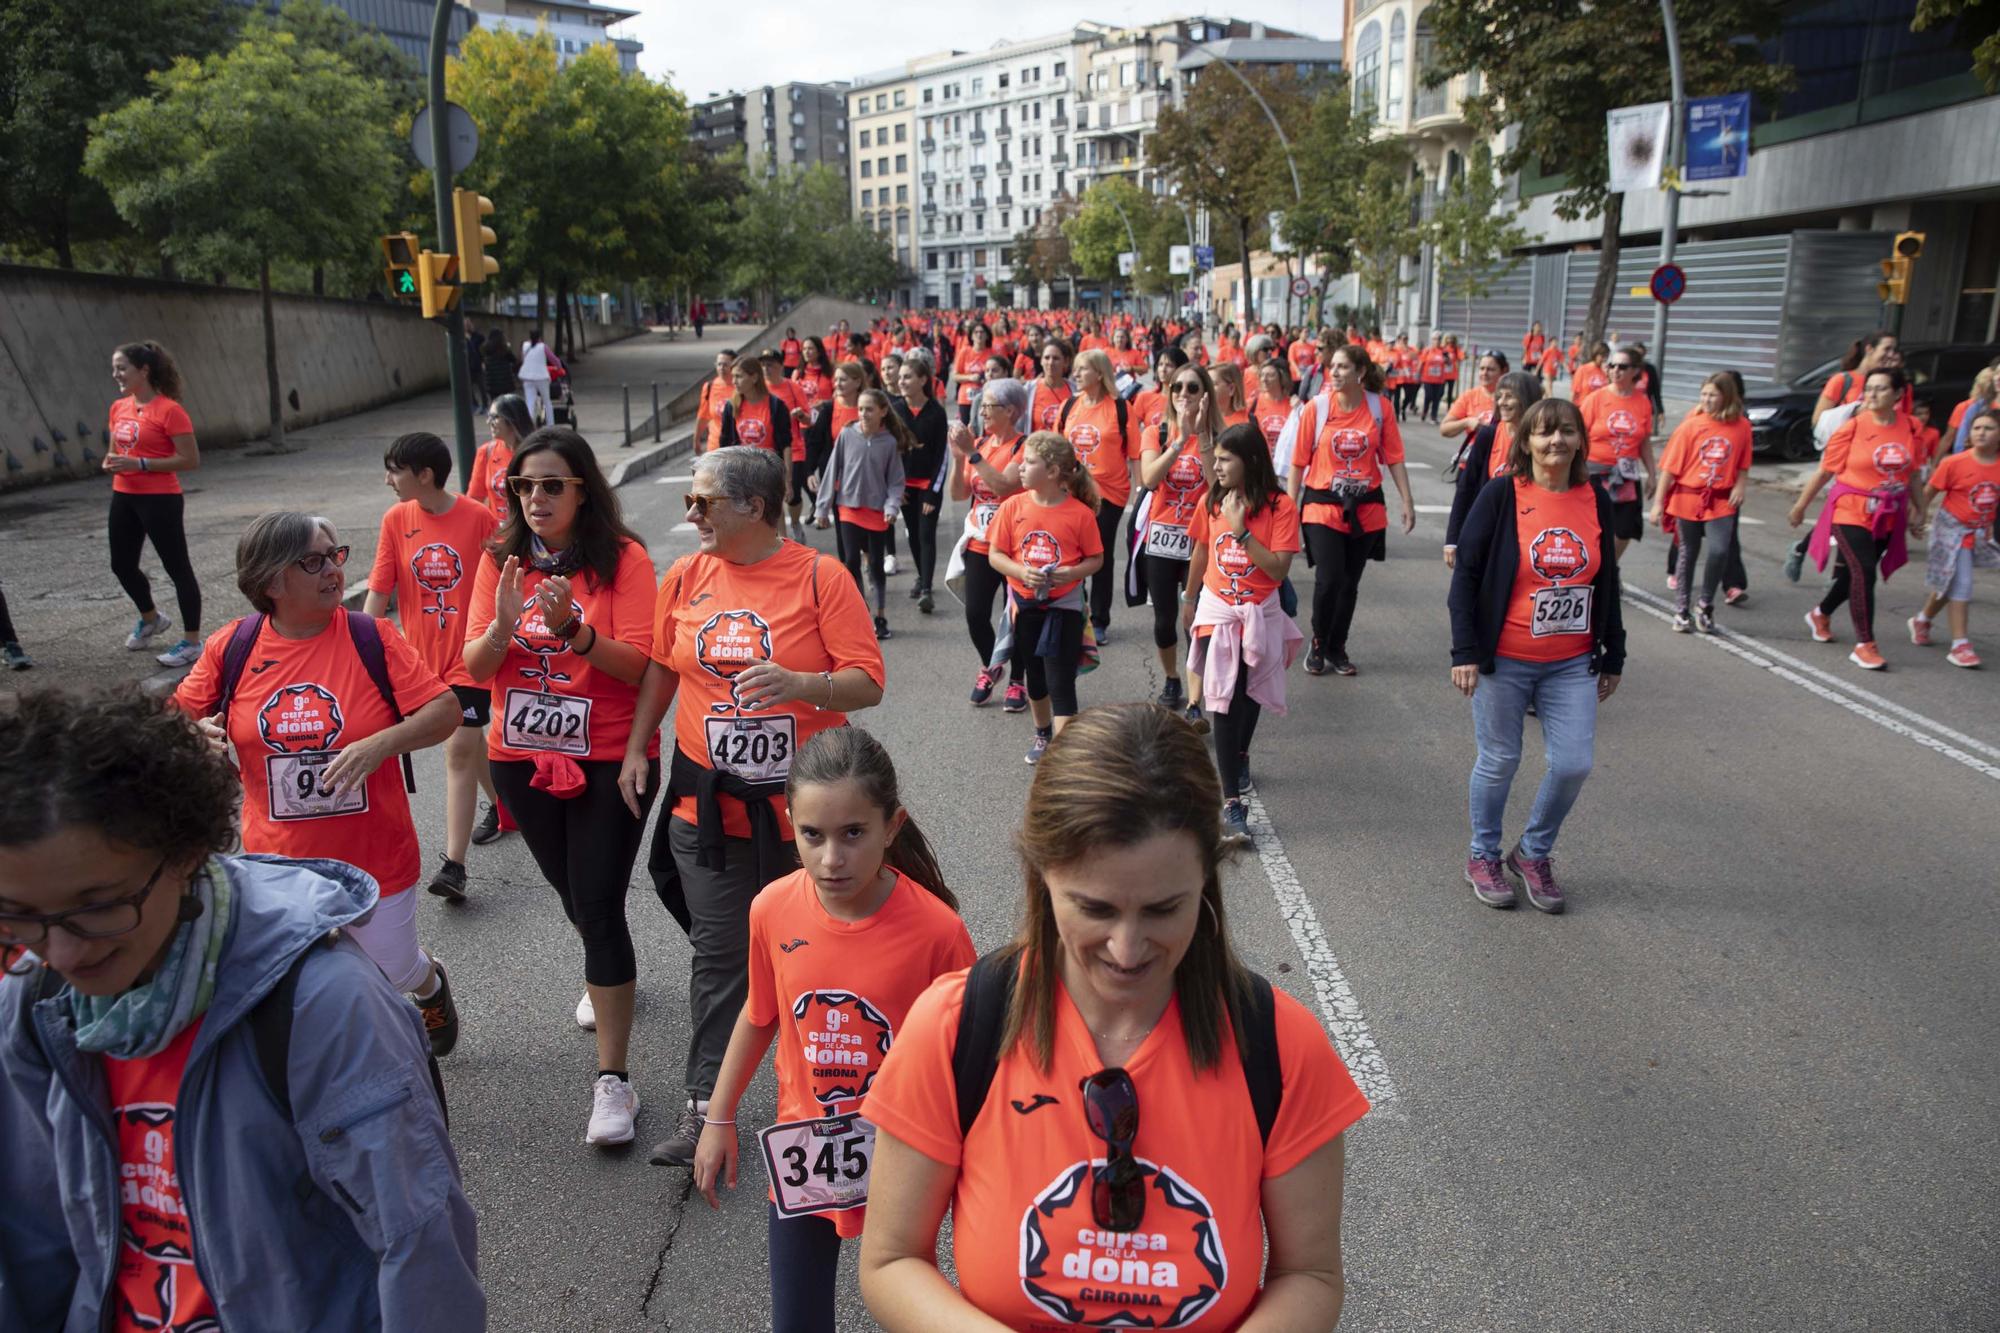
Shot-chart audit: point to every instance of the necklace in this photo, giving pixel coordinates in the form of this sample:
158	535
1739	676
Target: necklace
1140	1035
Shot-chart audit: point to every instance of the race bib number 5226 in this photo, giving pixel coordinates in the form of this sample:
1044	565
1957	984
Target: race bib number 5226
1562	610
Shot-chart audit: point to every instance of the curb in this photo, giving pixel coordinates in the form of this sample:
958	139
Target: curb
635	466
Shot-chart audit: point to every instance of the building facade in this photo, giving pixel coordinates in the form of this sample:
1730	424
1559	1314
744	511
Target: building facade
777	125
573	25
883	184
407	23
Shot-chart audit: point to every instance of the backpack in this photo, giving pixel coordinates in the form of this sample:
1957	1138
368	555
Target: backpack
989	991
367	637
1322	405
1062	419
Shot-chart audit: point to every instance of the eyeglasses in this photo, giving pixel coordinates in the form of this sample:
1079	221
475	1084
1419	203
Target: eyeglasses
319	560
553	487
1118	1188
1185	387
98	921
1617	367
699	505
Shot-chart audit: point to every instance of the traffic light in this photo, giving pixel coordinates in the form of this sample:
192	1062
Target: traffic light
399	251
434	282
468	208
1894	289
1909	244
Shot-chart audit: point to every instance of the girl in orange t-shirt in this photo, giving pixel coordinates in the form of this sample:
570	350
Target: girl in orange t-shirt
1962	536
1149	405
1474	408
864	490
151	440
968	367
508	419
1104	434
988	471
839	952
1176	464
1702	479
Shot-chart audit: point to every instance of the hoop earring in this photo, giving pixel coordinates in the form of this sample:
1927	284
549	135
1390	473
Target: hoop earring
1214	917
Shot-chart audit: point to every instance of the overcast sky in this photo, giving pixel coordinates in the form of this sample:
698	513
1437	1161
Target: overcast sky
707	49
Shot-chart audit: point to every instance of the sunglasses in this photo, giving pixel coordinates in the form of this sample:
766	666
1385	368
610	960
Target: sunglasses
699	505
1118	1188
1185	387
1621	366
552	487
319	560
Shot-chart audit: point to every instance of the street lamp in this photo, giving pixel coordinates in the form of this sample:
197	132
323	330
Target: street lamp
1676	153
1270	115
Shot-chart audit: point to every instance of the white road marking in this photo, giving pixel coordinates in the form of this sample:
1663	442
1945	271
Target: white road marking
1338	1007
1415	466
1862	703
1432	509
1749	522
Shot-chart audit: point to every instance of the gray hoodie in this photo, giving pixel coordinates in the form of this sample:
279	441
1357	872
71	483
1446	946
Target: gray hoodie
864	472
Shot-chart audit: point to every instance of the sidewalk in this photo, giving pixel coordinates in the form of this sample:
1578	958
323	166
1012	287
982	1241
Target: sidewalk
73	617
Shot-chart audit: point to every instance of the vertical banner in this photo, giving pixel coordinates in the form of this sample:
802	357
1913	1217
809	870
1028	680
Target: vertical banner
1637	136
1718	137
1180	259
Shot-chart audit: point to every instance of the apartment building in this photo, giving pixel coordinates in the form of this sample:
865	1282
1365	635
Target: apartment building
788	124
882	131
406	23
573	25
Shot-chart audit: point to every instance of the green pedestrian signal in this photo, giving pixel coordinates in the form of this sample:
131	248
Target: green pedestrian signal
399	255
406	283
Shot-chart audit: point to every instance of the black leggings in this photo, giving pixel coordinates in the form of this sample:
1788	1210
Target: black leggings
1105	581
982	585
138	519
585	847
1165	580
1690	535
7	634
1338	561
923	532
805	1262
1051	678
856	541
1433	395
1233	731
1406	400
1854	578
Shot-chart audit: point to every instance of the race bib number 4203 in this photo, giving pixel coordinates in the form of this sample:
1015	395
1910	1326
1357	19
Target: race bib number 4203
756	749
819	1166
299	788
1561	610
537	721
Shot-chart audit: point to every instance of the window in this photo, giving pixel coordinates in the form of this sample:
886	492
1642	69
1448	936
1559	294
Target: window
881	101
902	161
978	86
931	259
979	259
1003	222
927	97
881	166
798	118
1368	70
1062	68
902	194
867	168
979	222
1002	81
864	138
900	96
868	198
1125	72
1397	46
902	133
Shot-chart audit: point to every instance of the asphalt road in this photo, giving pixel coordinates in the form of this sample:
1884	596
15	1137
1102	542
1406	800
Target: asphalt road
1746	1082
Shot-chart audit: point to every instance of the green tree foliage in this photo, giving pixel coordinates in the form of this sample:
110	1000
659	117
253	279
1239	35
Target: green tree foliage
1386	228
272	151
1976	27
1474	230
1338	156
63	63
791	235
1098	233
1042	254
1553	68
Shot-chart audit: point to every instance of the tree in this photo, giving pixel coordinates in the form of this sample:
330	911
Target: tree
792	234
61	65
271	151
1976	26
1386	229
1042	253
1336	153
1474	231
1565	63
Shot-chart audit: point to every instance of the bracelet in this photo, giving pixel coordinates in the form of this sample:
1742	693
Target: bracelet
706	1121
143	467
827	707
583	652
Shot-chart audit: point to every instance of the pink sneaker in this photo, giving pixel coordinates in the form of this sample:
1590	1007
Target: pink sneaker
1962	656
982	685
1920	631
1539	879
1489	883
1016	699
1820	624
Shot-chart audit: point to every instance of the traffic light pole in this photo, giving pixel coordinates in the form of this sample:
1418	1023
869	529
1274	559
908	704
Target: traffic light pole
454	320
1676	154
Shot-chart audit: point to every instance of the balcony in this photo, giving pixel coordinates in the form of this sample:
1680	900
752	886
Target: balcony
930	210
1059	122
978	201
977	136
928	178
1003	132
1004	166
979	171
1004	201
1058	159
928	145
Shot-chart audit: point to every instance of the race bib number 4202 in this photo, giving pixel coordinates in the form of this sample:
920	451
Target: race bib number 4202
537	721
819	1166
756	749
1169	542
299	788
1561	610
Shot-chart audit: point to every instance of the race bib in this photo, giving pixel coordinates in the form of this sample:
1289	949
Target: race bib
298	787
536	721
982	518
1562	611
819	1166
756	749
1628	468
1169	542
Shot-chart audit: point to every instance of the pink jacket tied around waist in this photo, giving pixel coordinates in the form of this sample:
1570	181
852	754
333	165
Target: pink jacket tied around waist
1257	634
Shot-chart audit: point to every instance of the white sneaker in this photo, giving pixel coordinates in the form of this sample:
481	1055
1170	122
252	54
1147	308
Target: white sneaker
888	564
613	1103
586	1013
183	654
145	631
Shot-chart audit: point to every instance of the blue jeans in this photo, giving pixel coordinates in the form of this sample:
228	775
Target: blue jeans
805	1255
1565	698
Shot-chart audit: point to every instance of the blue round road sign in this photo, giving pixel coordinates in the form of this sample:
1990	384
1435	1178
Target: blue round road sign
1670	283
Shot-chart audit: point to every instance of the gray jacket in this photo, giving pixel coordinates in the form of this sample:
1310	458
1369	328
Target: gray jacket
864	472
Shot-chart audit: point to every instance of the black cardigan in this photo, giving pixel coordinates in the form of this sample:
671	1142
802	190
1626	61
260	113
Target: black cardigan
1482	582
781	430
1471	477
933	431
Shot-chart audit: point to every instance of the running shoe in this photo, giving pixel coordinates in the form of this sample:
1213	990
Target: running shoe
1704	618
1343	667
586	1013
14	657
1315	661
440	1015
1195	719
927	603
183	654
1736	596
144	631
1489	883
1016	698
888	564
1103	635
1682	625
1539	879
449	882
1235	821
982	685
613	1104
1867	657
1920	631
882	630
678	1149
1962	656
1035	751
1173	697
1673	583
1795	563
1820	624
916	591
488	828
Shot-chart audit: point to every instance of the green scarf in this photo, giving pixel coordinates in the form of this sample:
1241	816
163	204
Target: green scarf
142	1021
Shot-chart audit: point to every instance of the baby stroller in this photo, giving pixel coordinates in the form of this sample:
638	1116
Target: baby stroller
562	401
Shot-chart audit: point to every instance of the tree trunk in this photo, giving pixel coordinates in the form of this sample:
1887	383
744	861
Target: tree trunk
64	257
1248	314
271	357
1606	285
582	335
542	299
319	280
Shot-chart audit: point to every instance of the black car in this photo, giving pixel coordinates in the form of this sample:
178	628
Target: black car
1781	414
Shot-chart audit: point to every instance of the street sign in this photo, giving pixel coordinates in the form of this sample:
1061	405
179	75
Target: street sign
1204	256
1669	284
1301	288
1718	137
460	132
1190	297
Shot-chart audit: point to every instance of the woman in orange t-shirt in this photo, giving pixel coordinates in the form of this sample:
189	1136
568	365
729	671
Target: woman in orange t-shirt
1962	535
1049	390
872	905
1703	475
1272	409
1104	434
151	440
1149	405
1230	398
1144	1191
755	416
1474	408
968	368
508	419
1489	453
1176	464
987	470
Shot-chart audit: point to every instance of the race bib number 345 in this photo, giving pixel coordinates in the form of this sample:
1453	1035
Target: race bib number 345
537	721
819	1166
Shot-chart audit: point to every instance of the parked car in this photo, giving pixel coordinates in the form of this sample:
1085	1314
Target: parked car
1781	414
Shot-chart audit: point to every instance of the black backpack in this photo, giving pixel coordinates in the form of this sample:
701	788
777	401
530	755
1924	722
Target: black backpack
1062	420
989	991
367	637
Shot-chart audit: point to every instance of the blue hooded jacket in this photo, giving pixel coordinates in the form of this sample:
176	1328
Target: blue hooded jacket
348	1217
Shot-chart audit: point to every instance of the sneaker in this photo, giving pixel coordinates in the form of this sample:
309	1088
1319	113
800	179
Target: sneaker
1682	625
449	882
1195	719
1704	619
1236	821
1489	884
1173	696
15	659
440	1015
882	630
1315	661
1820	624
183	654
1920	631
586	1013
1867	657
678	1148
1795	563
1962	656
1103	633
1035	751
1736	596
1343	667
916	591
798	531
982	685
488	828
888	564
1016	698
613	1104
1539	879
1673	583
927	603
144	631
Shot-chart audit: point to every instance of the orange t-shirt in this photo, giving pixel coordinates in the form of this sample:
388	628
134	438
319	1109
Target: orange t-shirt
1046	408
999	455
1271	419
793	351
840	990
424	559
1475	404
1027	1249
1971	489
1044	536
753	423
1617	426
1551	361
488	482
1927	438
1435	363
297	701
1704	458
1129	359
1869	456
1177	496
793	396
545	697
715	391
1531	347
1231	574
1589	378
816	384
157	1284
1301	354
969	364
147	432
1148	410
1093	430
1503	450
712	618
1559	540
1348	447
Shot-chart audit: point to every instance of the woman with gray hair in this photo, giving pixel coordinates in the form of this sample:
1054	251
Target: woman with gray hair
314	701
985	471
763	643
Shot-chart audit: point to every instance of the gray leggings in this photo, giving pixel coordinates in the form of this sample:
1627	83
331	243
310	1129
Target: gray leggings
1720	533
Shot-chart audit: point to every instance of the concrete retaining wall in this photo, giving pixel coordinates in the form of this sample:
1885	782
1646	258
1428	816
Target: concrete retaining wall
335	357
812	316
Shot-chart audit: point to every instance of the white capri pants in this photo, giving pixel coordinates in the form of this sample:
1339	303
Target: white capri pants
537	394
389	936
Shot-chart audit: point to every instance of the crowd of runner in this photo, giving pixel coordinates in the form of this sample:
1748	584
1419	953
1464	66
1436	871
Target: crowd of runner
152	1096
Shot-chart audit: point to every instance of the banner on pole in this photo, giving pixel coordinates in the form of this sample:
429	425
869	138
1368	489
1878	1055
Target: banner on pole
1180	258
1637	136
1718	137
1127	259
